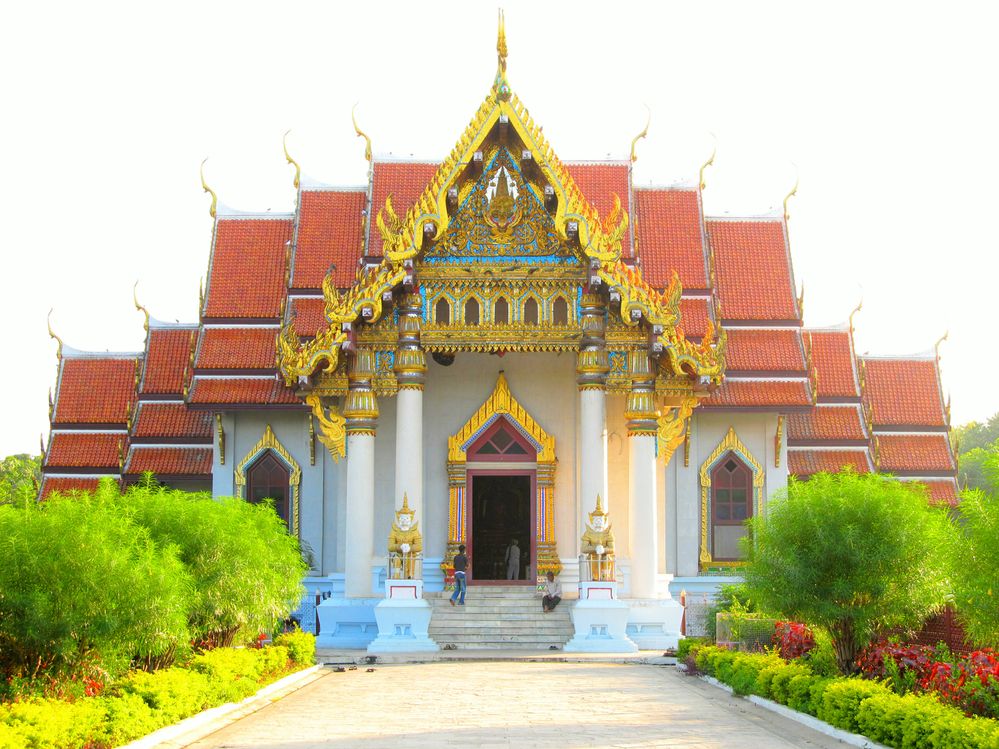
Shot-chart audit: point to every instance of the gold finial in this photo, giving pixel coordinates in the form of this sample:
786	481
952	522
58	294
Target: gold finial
41	445
139	307
936	346
298	169
54	336
801	299
210	191
405	505
794	191
706	164
856	309
361	134
600	508
643	134
501	50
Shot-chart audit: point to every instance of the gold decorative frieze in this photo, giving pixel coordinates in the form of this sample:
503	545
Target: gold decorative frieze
332	427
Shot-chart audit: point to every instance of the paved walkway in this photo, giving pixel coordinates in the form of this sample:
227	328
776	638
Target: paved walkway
512	704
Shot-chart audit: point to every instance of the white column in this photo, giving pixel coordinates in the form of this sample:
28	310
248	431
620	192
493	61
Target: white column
409	449
592	450
643	515
360	518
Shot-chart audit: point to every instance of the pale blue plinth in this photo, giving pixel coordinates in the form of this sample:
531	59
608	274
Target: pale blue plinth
346	624
600	627
654	624
402	627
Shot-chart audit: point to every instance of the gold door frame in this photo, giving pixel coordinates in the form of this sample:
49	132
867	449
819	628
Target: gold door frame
502	403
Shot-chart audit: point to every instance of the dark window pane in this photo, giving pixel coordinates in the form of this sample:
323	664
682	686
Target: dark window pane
722	496
442	312
502	438
731	465
472	312
722	512
739	496
488	449
531	311
501	311
515	449
738	512
560	312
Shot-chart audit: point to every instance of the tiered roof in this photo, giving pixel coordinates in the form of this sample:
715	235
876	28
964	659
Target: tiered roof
271	276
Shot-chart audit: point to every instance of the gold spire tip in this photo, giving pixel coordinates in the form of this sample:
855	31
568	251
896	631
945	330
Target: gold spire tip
53	336
643	134
794	191
139	307
501	50
361	134
210	191
860	306
710	162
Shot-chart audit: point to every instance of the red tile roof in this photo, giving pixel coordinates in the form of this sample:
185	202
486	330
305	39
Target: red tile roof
170	461
753	270
309	315
832	355
95	391
167	353
67	484
904	392
330	232
247	278
808	462
599	183
405	182
767	394
240	391
668	224
943	492
96	450
694	317
236	348
832	423
907	453
171	420
764	350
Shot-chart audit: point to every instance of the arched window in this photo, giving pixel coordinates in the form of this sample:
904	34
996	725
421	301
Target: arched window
560	311
472	311
731	506
442	312
531	311
268	478
501	311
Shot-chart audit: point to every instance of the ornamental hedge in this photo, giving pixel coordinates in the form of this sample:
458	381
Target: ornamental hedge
917	721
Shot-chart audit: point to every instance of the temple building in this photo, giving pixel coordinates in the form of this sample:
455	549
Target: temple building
513	345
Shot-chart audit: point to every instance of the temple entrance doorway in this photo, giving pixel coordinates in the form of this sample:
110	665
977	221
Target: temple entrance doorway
501	514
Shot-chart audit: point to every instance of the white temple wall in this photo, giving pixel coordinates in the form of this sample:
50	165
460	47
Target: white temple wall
544	384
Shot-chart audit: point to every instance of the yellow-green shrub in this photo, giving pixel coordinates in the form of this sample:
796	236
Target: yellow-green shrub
782	679
841	701
302	646
921	721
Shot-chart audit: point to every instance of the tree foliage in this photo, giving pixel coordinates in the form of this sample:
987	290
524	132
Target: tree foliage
79	583
976	571
247	569
975	442
853	554
20	478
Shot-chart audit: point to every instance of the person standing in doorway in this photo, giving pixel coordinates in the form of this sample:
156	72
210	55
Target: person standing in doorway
512	559
553	593
460	566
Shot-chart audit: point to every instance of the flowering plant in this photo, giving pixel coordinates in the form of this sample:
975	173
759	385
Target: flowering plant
971	684
793	639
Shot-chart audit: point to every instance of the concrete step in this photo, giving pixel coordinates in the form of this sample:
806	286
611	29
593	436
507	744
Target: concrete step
504	616
472	628
494	611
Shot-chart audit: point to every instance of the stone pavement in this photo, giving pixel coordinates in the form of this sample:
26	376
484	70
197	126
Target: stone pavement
512	704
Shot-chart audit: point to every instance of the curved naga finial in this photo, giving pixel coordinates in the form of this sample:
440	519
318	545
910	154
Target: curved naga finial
53	336
856	309
210	191
139	307
936	346
710	162
501	50
643	134
794	191
361	134
298	169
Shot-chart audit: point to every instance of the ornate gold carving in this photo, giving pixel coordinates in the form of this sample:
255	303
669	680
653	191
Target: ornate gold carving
860	306
270	442
673	421
139	307
54	337
598	545
643	134
778	440
730	443
298	170
210	191
710	162
220	438
686	443
361	134
936	346
409	536
794	191
312	440
332	427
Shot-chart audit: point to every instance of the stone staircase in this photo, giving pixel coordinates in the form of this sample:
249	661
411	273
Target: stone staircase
499	617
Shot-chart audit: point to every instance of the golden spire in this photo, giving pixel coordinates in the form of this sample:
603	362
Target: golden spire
405	505
298	169
936	346
794	191
501	85
710	162
210	191
54	336
644	133
139	307
856	309
361	134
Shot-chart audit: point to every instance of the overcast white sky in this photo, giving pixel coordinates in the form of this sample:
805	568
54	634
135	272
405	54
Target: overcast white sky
887	111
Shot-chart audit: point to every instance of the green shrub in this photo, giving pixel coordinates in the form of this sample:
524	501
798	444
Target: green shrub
746	669
80	580
781	681
804	692
729	598
54	724
822	658
683	648
921	721
247	568
174	693
841	701
129	716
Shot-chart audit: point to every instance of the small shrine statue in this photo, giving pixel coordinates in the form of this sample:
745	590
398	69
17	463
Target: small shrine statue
405	540
598	544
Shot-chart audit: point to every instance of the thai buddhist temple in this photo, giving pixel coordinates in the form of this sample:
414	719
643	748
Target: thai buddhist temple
516	347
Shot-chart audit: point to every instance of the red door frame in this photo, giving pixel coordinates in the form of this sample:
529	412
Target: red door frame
470	475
